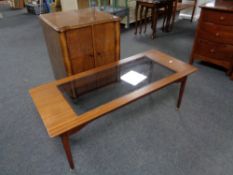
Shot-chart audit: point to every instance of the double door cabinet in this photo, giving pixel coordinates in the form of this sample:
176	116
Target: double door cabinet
80	40
214	35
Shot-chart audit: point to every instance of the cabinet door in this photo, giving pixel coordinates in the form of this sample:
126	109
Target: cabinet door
80	48
106	43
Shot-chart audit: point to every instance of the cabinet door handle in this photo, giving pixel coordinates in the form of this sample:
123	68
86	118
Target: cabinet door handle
212	50
222	18
217	34
91	55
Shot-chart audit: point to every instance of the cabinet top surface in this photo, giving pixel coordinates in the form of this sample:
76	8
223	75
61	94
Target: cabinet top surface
62	21
225	5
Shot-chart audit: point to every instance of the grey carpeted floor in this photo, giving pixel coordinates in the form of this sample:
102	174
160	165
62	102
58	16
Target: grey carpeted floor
146	137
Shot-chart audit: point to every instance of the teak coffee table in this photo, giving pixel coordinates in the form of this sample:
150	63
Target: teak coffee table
67	105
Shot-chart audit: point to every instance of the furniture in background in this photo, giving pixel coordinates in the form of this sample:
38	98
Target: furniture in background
214	35
80	40
38	7
156	7
18	4
119	9
67	5
131	4
109	87
110	6
83	4
3	4
55	6
179	5
113	7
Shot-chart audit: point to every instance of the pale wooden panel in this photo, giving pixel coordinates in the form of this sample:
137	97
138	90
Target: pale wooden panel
104	43
80	47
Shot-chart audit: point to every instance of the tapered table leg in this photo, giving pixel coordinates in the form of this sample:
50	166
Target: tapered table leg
182	87
66	145
191	59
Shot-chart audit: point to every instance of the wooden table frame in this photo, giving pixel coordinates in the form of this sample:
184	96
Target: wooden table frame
59	117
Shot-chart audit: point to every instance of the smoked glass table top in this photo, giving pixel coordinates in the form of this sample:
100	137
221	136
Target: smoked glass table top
95	90
68	104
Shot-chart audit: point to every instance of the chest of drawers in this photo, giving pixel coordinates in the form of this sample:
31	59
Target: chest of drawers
214	35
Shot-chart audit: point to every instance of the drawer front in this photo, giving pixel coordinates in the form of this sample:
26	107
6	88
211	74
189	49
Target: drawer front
217	17
217	33
214	50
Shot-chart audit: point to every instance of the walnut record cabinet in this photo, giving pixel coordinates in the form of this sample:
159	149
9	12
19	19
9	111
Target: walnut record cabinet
214	35
80	40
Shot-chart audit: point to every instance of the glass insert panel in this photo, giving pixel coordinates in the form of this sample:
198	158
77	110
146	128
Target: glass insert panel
92	91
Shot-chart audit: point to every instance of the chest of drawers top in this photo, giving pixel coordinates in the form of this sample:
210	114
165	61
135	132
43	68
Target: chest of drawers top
221	5
73	19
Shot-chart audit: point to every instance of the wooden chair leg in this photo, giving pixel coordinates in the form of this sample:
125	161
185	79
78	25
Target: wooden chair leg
194	9
145	18
136	18
128	21
173	18
181	92
165	17
141	18
66	145
154	19
173	14
151	18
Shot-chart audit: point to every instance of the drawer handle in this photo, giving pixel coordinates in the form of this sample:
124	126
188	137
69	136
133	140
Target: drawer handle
217	34
212	50
222	18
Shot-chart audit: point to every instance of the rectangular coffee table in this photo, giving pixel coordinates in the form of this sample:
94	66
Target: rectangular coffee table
67	105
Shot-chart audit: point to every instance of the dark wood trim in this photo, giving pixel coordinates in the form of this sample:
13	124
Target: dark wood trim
181	92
